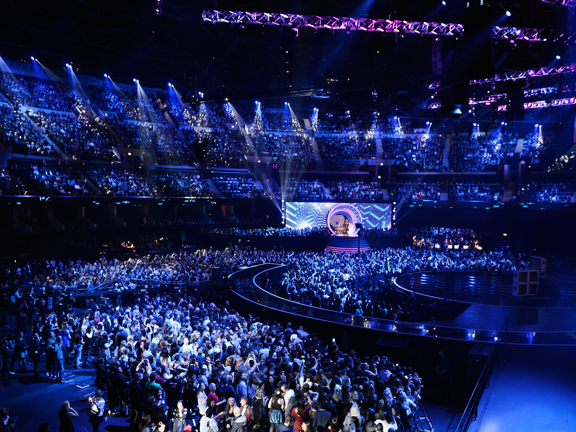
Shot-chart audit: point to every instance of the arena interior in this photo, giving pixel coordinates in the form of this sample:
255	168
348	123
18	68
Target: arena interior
233	216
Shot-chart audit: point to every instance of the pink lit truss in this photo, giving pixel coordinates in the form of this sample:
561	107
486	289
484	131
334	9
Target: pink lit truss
570	3
531	73
515	75
362	24
527	105
490	99
544	104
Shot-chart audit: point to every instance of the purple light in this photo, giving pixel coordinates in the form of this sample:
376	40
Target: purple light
515	75
545	71
361	24
570	3
158	7
544	104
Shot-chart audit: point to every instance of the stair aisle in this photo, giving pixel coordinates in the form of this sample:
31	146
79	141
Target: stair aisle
317	156
339	244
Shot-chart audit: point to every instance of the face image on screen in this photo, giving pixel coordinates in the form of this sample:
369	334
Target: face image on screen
340	218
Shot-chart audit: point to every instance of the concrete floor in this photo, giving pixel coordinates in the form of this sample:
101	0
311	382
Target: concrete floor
533	390
35	401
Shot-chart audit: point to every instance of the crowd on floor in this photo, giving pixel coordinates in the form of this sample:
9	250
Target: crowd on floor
453	238
168	361
357	284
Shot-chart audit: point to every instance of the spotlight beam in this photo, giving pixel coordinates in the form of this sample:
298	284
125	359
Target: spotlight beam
363	24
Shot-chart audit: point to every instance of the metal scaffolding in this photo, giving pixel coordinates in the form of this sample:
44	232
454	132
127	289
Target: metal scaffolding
362	24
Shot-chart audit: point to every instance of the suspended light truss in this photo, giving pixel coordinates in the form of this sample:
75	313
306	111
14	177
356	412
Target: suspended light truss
362	24
527	105
570	3
516	75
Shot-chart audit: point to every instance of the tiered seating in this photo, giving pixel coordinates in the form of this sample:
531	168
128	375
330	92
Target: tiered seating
475	152
536	143
24	137
79	136
356	191
417	153
343	152
231	186
416	191
8	186
122	182
293	149
476	192
306	191
51	179
544	192
182	184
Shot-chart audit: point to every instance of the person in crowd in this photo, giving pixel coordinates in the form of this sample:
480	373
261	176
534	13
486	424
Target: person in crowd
275	407
7	422
239	421
59	356
65	415
207	423
321	417
96	413
287	425
36	353
179	417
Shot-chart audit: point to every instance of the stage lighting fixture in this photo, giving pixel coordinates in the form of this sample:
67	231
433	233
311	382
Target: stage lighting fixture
508	13
135	80
443	2
558	57
105	75
33	59
502	123
67	65
536	124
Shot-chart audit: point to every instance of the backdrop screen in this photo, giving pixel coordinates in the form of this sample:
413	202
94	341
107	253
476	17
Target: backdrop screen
307	214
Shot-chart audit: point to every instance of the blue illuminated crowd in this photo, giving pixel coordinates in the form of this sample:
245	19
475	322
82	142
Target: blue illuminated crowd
360	285
101	123
169	360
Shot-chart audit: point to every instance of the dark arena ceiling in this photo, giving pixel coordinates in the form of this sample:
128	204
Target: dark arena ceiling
355	70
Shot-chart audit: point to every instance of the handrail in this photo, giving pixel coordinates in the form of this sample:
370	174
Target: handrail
250	291
470	413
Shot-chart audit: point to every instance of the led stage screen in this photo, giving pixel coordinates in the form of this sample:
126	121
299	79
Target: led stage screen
340	218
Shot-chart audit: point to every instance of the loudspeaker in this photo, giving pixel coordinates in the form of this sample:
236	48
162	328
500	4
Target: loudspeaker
540	264
525	283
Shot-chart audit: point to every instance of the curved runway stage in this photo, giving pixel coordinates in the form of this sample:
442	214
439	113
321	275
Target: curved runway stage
489	311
